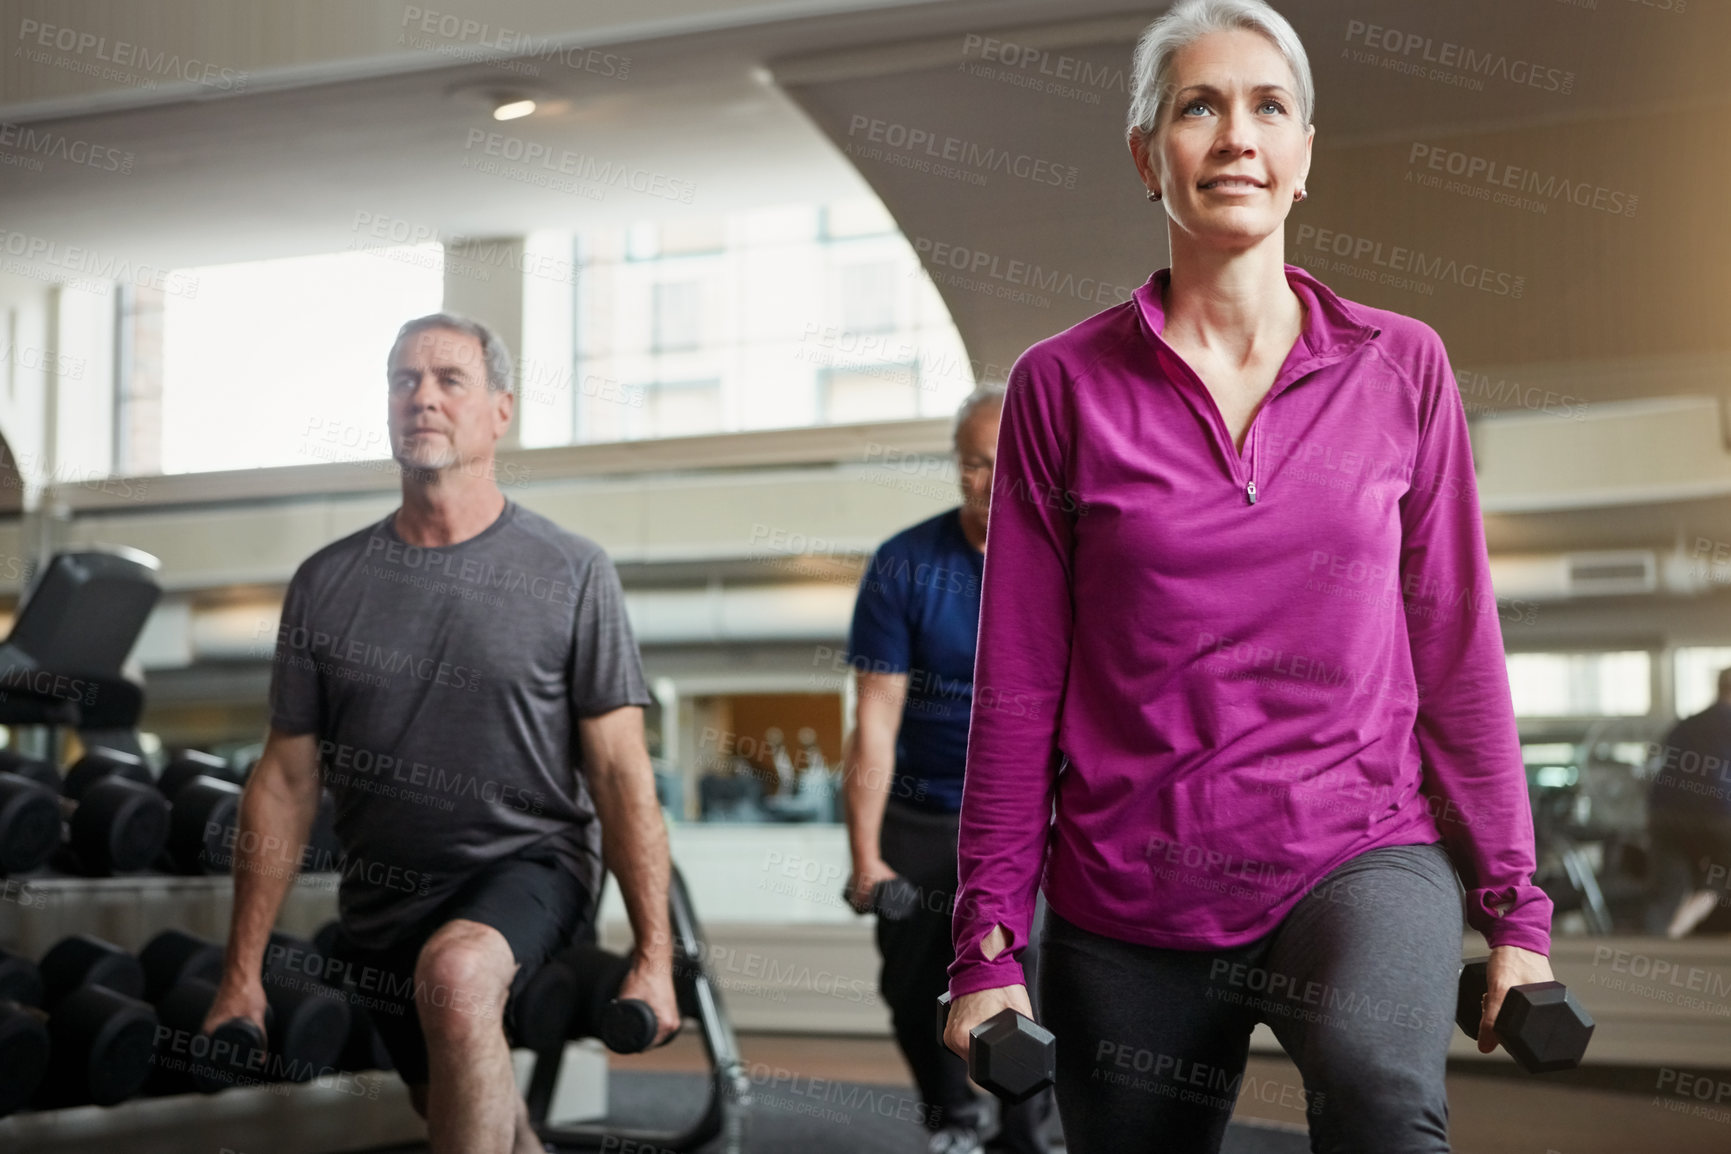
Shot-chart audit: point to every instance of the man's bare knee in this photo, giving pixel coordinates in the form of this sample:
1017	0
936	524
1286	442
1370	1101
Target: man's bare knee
461	979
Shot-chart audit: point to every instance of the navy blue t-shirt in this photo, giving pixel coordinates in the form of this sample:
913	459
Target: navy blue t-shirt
918	613
1695	765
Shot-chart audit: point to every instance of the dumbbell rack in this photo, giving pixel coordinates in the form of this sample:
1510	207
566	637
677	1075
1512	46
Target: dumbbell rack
129	910
37	911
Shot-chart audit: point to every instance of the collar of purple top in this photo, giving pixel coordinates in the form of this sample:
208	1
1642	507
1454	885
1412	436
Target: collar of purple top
1333	327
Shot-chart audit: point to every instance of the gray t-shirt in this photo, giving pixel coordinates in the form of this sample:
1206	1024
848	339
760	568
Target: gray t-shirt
444	687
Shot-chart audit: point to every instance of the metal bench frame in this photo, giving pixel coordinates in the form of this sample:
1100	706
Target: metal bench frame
699	999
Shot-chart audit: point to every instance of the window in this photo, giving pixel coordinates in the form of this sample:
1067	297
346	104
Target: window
886	392
868	297
789	315
1697	673
676	309
692	236
642	241
1616	684
854	218
282	362
681	408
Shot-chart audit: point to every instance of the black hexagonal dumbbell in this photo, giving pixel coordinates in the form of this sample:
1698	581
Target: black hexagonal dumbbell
1542	1026
101	1036
1009	1053
893	899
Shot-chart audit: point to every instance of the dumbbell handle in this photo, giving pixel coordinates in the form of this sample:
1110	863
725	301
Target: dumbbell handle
1474	987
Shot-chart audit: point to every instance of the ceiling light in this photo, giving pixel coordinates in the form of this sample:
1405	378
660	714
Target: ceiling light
511	101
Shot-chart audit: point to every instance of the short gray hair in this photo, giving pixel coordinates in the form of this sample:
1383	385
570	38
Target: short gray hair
1187	22
991	393
494	355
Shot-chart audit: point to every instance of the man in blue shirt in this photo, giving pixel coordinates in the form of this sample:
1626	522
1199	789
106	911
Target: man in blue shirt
915	625
1689	805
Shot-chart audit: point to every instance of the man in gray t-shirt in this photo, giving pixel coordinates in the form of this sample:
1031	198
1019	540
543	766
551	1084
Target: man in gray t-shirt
463	678
443	685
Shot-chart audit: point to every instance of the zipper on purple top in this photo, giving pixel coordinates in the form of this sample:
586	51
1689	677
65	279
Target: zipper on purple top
1250	488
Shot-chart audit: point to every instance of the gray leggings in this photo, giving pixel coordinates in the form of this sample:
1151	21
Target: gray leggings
1357	981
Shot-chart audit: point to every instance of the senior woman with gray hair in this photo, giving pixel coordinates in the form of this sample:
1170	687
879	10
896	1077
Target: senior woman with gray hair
1270	714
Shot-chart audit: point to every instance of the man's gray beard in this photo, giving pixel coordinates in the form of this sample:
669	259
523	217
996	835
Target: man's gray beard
425	471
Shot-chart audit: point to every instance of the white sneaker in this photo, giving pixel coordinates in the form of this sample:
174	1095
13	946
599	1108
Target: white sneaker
1691	912
955	1140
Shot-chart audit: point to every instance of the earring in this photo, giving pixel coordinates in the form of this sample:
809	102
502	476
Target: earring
1300	195
1152	195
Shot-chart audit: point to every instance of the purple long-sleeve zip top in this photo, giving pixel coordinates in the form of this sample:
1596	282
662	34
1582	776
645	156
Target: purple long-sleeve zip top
1233	672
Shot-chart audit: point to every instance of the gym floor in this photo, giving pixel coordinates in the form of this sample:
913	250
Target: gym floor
1490	1113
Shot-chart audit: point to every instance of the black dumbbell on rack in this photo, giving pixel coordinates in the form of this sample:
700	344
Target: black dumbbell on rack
116	822
23	1032
29	824
100	764
203	810
1542	1025
181	975
205	792
109	828
312	1018
30	820
234	1053
187	764
1009	1053
306	1023
206	814
174	956
363	1049
101	1036
35	768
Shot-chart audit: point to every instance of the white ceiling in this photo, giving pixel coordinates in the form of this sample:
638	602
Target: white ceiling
288	166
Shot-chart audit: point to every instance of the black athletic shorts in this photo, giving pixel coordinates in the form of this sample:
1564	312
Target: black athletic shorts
537	905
